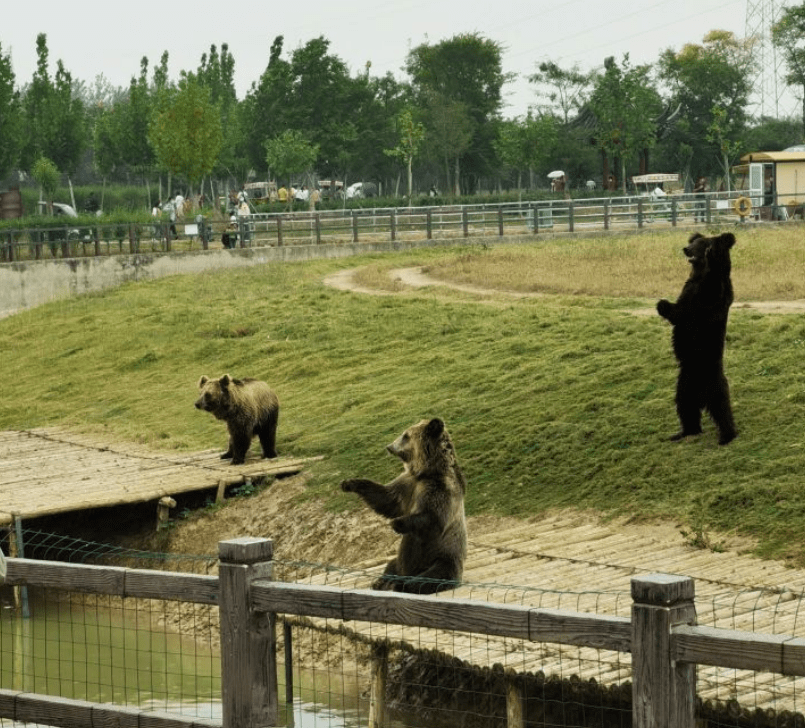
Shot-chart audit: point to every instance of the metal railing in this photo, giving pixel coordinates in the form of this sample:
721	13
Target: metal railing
445	222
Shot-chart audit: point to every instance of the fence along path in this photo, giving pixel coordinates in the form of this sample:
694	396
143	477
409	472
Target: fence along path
47	471
572	564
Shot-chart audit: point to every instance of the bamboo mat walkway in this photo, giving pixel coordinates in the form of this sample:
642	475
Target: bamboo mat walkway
45	472
569	564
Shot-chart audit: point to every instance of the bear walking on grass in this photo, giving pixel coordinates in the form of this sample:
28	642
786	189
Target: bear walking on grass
699	320
426	505
248	406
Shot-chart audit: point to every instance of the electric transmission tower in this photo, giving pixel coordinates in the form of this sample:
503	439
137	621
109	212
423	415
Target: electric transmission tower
767	86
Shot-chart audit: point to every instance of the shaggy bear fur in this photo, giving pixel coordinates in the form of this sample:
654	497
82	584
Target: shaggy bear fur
248	406
699	319
426	505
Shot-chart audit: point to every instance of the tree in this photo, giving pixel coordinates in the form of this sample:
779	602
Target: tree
568	89
788	34
10	121
450	132
185	131
54	117
217	72
715	73
121	131
411	135
47	175
625	105
727	148
465	69
290	153
527	143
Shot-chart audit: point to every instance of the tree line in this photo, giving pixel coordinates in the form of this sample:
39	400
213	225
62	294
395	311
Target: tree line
441	128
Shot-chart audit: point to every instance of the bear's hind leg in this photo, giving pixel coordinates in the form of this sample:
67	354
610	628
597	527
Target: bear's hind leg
439	576
721	410
268	438
389	580
688	407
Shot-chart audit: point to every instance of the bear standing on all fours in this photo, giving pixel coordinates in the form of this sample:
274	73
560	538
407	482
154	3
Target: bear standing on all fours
699	318
426	503
249	407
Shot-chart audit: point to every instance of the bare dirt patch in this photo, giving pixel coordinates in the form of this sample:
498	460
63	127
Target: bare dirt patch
417	278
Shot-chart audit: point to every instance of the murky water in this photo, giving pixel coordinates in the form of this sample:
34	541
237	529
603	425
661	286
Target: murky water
89	650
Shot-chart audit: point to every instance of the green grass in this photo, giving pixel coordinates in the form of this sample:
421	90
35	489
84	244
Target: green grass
554	401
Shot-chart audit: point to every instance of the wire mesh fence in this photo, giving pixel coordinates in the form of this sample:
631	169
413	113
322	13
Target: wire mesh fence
164	654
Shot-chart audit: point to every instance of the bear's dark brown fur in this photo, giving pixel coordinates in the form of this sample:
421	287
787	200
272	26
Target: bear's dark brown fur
426	505
699	320
248	406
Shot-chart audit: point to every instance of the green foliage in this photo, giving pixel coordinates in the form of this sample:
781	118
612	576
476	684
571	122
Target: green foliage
411	135
54	118
788	34
625	105
47	175
185	131
555	401
566	89
10	120
715	73
290	153
465	73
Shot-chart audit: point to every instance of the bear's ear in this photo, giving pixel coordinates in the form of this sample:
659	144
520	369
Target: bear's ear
201	382
434	428
225	381
695	237
727	239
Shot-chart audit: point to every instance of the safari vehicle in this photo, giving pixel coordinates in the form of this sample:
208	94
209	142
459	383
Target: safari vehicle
657	187
261	192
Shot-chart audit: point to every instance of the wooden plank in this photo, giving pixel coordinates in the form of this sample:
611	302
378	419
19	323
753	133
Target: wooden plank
113	580
53	710
730	648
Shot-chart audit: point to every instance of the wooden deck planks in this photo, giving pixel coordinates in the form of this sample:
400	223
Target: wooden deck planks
46	472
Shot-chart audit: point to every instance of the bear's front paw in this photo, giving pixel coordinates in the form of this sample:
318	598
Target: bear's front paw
664	308
399	525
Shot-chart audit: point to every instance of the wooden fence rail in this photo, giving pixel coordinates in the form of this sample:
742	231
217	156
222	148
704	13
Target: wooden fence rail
662	636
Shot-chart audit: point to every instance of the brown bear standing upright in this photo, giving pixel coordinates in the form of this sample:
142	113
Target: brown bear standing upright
699	318
248	406
426	503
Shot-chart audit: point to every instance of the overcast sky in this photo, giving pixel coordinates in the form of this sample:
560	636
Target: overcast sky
93	38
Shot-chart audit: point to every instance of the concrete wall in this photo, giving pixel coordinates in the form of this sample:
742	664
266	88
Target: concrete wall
28	284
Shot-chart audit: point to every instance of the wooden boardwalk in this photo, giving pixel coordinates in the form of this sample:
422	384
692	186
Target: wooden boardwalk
589	569
45	472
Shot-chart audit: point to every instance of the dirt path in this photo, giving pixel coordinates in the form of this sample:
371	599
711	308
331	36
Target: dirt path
416	278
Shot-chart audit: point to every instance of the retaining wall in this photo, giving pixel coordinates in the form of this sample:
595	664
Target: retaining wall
31	283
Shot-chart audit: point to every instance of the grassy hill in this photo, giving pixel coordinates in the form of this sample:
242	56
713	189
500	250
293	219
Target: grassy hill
563	399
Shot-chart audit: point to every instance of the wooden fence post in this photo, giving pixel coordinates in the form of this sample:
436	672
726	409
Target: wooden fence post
377	696
248	641
663	691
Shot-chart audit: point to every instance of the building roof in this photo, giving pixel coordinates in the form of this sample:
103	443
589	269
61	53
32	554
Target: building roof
773	157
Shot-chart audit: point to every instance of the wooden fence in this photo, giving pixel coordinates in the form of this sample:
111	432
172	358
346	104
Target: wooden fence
445	222
662	636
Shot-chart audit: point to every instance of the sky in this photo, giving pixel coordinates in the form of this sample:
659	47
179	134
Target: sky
92	39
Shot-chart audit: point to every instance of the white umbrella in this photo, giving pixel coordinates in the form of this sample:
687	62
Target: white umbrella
556	174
